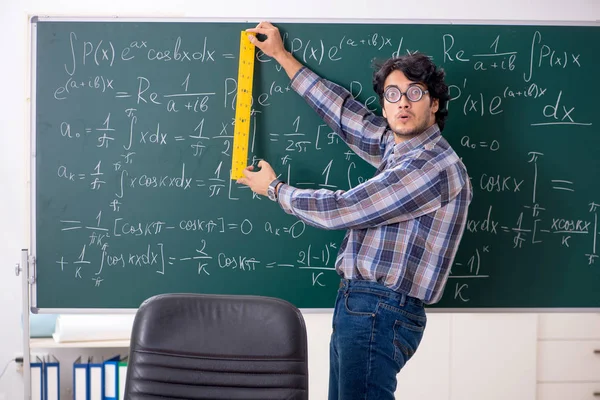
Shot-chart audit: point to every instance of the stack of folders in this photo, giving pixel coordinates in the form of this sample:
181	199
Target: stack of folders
45	379
103	380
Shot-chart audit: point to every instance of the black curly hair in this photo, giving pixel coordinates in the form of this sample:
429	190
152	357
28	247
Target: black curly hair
418	68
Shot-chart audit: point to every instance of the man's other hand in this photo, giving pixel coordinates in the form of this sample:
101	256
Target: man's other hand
258	181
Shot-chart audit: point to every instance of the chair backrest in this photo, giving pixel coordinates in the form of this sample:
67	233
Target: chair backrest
194	346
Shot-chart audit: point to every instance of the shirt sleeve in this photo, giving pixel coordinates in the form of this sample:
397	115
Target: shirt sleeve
361	129
395	195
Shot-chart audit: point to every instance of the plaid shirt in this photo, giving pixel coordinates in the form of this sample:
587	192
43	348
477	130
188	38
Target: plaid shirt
404	224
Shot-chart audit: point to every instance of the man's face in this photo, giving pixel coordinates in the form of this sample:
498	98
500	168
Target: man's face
407	118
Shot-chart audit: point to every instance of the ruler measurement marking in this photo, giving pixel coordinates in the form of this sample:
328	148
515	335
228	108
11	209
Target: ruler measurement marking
243	105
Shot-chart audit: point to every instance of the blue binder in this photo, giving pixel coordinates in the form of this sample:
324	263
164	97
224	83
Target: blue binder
81	387
96	381
122	377
52	380
37	380
111	379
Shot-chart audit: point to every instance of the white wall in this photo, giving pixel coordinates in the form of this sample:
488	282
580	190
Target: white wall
13	105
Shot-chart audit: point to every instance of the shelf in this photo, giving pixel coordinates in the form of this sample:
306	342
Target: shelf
49	343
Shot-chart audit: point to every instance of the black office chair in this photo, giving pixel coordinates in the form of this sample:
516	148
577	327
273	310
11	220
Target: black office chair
193	346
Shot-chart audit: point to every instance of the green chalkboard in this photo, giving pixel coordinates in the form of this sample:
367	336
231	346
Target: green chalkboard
131	150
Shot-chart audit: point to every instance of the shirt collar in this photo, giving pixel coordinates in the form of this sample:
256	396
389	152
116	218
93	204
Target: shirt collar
429	135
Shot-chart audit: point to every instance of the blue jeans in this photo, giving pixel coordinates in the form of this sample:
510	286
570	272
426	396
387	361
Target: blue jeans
375	332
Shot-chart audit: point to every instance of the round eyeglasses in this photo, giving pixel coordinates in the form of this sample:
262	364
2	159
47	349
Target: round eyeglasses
393	94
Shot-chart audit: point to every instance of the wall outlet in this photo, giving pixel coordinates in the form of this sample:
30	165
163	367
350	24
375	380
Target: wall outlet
19	364
34	357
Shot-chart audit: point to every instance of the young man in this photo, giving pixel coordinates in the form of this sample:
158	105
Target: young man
403	225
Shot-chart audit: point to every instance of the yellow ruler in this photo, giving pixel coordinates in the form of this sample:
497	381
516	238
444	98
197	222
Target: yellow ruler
243	105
